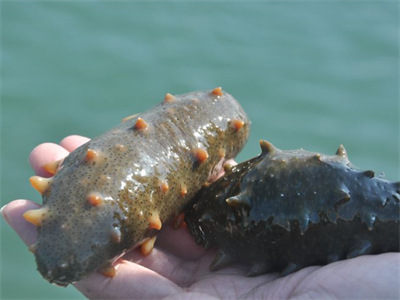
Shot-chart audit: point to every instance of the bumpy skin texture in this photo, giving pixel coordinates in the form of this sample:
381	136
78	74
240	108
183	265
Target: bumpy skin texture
285	210
110	194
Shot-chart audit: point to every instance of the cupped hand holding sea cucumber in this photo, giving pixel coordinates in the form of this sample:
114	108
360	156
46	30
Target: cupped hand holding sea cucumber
178	269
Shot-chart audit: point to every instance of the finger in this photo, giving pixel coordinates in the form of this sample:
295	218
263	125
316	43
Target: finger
179	242
363	277
221	172
232	162
192	295
70	143
13	212
132	281
96	284
44	154
181	272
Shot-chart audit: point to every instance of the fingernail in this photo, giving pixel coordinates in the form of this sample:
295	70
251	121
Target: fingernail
3	214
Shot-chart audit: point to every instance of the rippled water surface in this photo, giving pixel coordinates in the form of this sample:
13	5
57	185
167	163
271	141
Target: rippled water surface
310	75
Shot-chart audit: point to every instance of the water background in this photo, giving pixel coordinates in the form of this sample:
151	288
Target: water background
310	75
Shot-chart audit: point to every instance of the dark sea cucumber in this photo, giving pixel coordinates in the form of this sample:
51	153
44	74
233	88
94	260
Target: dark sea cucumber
285	210
114	193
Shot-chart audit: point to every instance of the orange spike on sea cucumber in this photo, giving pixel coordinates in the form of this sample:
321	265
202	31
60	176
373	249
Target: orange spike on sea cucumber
237	124
141	124
155	222
169	98
40	184
179	220
201	155
95	199
206	184
217	91
109	271
52	166
183	190
148	246
91	154
35	216
222	152
164	186
32	248
115	235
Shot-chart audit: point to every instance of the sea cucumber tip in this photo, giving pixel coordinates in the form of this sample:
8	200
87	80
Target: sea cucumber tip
40	184
91	154
32	248
141	124
155	222
345	196
221	260
236	201
52	166
341	151
237	124
266	147
257	269
369	173
317	157
183	190
35	216
115	235
228	168
290	268
179	220
148	246
206	184
109	271
217	91
169	98
222	152
361	248
94	199
201	155
164	186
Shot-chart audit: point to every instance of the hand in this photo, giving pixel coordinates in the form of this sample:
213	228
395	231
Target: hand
178	269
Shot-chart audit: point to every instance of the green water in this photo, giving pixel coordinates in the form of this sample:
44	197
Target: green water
309	74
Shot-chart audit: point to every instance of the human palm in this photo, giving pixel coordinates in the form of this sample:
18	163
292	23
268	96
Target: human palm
178	269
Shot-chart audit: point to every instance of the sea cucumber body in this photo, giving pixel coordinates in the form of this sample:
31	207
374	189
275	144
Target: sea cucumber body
110	194
285	210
